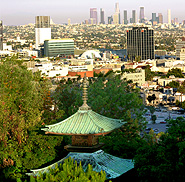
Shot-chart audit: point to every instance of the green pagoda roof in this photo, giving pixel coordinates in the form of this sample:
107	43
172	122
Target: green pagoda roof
113	166
84	122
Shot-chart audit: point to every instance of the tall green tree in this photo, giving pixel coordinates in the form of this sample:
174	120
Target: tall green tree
24	98
148	73
21	102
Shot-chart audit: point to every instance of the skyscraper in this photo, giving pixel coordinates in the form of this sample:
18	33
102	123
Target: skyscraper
154	19
116	19
42	30
140	43
117	12
160	16
93	15
134	18
110	19
169	17
1	35
102	16
176	22
142	16
117	7
125	17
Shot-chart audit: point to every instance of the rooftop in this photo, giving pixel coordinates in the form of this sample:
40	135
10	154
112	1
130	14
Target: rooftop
113	166
84	122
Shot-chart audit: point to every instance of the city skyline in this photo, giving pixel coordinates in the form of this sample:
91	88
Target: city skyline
21	12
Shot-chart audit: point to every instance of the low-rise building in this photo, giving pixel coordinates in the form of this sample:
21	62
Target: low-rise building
59	47
182	53
138	76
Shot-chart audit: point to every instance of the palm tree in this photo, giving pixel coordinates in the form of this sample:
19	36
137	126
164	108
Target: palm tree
181	89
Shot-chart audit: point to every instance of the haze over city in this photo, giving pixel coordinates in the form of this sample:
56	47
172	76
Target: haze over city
21	12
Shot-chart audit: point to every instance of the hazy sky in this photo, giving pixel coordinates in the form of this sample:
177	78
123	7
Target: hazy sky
19	12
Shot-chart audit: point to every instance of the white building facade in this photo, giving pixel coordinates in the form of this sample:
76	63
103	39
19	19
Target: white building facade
42	30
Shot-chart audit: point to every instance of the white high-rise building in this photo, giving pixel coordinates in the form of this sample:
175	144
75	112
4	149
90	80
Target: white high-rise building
169	17
117	13
42	30
116	19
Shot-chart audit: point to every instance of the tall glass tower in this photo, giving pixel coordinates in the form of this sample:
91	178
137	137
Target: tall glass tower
125	17
102	16
134	18
93	16
142	15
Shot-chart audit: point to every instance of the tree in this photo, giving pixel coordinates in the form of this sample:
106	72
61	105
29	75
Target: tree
176	72
173	84
24	98
164	160
70	171
181	89
21	102
137	58
151	98
153	117
148	73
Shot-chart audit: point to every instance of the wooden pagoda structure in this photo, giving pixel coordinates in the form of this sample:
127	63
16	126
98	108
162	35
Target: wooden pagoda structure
85	127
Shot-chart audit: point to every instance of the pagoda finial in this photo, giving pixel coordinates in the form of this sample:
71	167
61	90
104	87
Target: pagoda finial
85	96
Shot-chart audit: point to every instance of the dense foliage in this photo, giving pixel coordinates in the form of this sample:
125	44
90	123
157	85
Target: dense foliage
164	160
24	98
176	72
69	171
173	84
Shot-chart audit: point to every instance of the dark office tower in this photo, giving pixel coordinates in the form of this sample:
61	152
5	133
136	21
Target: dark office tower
140	43
1	35
134	19
130	20
102	16
160	16
110	20
142	15
125	17
154	18
93	15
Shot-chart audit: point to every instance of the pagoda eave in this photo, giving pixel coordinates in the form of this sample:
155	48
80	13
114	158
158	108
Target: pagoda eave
82	149
72	134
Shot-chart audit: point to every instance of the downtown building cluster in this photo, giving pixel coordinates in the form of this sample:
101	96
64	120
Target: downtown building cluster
157	18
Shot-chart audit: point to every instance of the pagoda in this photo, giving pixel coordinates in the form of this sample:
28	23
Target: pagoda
85	127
